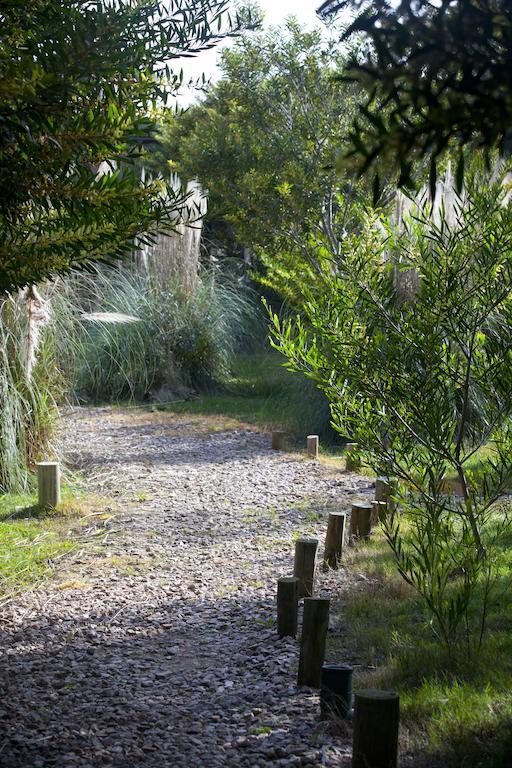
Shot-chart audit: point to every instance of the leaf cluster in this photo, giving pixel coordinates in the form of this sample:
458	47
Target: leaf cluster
77	82
436	74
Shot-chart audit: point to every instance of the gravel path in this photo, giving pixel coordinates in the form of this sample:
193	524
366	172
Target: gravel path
156	647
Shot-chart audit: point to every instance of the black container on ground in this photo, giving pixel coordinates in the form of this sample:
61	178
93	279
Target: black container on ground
336	690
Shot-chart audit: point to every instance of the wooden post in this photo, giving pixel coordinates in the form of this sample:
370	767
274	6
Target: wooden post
351	461
278	440
315	624
361	521
312	446
384	490
287	603
48	482
334	539
376	716
304	565
379	511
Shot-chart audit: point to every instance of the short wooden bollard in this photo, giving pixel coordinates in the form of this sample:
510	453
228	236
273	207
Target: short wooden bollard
315	624
48	483
376	716
384	490
312	446
351	460
379	511
304	564
334	539
278	440
361	521
287	604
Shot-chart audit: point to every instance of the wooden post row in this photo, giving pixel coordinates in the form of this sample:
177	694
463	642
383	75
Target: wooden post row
304	565
287	604
334	539
315	624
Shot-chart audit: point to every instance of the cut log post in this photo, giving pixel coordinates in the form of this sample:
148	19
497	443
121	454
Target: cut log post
315	624
384	489
278	440
304	565
336	690
48	483
351	460
334	539
361	521
312	446
287	604
379	511
376	716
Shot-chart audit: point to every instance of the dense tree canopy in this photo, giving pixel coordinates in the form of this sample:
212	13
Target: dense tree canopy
263	142
442	69
77	81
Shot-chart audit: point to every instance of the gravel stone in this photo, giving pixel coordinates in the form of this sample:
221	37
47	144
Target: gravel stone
155	643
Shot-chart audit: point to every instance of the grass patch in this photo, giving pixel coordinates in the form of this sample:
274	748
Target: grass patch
452	713
31	538
262	392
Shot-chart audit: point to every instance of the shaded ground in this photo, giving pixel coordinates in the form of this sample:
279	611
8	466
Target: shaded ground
156	646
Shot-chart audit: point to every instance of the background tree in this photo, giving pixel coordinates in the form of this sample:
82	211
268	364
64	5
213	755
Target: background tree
442	70
264	140
77	82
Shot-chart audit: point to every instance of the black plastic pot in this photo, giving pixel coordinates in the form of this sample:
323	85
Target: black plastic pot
336	690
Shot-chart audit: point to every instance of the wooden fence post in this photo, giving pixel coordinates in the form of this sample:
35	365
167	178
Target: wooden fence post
315	624
351	461
48	483
287	604
334	539
361	521
277	440
375	741
379	511
312	446
304	565
384	490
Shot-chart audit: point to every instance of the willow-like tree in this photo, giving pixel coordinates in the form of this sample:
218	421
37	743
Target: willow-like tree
77	82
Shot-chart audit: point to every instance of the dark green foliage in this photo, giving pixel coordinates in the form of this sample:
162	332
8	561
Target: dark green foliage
264	140
436	74
77	81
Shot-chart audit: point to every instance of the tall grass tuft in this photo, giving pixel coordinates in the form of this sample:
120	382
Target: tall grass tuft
161	338
27	403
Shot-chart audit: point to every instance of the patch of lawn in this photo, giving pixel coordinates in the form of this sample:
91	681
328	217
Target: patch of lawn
453	713
32	538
